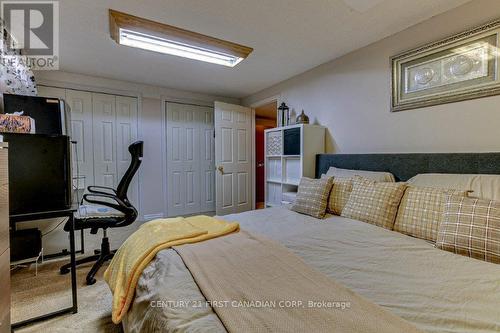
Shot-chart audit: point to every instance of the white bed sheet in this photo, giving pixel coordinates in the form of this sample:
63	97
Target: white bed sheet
435	290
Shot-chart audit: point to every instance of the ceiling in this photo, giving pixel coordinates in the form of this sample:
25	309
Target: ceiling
288	37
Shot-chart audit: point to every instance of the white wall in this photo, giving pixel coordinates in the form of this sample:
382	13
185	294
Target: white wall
152	173
351	96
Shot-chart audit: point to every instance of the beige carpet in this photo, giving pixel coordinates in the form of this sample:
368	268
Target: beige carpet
48	291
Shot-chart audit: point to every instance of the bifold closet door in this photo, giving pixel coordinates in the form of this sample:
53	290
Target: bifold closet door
104	120
190	164
115	128
80	103
126	133
207	159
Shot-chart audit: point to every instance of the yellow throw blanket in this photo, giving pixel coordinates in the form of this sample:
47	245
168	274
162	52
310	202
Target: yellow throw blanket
142	246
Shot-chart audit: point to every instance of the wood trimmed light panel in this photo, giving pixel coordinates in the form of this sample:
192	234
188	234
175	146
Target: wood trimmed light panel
138	32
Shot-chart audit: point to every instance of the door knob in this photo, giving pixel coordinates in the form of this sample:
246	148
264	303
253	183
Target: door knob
221	169
260	165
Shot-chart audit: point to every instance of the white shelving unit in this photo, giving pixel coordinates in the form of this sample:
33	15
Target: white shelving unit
290	155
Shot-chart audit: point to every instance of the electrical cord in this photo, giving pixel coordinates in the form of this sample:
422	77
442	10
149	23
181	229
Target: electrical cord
51	230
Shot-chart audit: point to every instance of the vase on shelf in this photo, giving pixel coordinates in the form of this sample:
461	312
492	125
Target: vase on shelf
302	118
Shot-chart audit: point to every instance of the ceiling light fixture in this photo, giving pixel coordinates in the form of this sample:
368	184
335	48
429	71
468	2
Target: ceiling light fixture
153	36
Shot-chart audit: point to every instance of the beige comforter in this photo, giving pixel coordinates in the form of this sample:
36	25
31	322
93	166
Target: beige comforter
437	291
257	285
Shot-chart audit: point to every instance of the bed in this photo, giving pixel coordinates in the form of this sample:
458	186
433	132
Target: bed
435	290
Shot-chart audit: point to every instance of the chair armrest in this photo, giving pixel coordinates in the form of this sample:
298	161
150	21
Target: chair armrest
96	189
121	206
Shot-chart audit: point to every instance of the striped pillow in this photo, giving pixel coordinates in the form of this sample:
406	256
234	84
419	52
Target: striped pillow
312	196
421	211
339	195
374	203
471	227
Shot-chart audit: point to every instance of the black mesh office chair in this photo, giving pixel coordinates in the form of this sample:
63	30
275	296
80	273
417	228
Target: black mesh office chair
114	211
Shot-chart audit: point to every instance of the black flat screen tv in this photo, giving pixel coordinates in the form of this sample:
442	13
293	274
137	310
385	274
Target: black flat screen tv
39	173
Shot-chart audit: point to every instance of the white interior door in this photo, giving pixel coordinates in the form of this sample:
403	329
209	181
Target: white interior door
182	160
104	115
207	159
190	159
233	158
126	133
80	103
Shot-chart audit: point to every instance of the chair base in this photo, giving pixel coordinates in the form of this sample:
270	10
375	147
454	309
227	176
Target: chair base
100	258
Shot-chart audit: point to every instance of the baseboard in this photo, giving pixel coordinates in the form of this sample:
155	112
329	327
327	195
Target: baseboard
149	217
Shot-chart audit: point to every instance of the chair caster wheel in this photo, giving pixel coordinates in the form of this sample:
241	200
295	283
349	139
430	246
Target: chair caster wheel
91	281
64	270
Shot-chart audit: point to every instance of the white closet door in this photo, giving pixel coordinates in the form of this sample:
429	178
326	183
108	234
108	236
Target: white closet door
182	160
190	182
80	103
191	162
175	195
126	133
104	116
207	160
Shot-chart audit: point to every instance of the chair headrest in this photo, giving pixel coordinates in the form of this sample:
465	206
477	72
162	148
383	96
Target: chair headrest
136	149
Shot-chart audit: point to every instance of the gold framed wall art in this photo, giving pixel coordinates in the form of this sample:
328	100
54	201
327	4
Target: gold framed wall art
457	68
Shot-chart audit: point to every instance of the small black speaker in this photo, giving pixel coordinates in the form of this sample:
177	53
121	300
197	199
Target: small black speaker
25	244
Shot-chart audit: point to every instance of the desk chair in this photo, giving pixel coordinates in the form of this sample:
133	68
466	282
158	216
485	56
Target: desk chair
114	210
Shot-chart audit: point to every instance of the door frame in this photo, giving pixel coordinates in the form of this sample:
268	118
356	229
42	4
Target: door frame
253	106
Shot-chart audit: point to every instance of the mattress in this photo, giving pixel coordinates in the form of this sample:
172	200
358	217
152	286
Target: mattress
435	290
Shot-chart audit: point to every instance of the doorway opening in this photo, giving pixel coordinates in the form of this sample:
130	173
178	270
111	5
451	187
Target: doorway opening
265	118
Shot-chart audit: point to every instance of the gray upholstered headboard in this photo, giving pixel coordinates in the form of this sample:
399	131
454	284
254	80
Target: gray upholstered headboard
405	166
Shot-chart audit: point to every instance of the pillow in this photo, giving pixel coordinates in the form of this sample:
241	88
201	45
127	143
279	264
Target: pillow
482	186
339	195
312	196
471	227
421	210
375	203
372	175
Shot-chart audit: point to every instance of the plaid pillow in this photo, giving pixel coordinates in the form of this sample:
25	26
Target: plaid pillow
312	196
471	227
374	203
339	195
421	211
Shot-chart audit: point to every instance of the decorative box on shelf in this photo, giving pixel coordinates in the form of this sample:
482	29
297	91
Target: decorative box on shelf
290	155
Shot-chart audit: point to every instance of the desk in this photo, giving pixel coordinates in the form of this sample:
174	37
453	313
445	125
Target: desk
47	215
